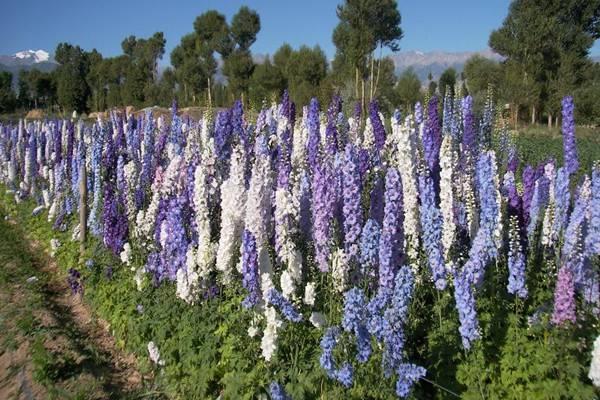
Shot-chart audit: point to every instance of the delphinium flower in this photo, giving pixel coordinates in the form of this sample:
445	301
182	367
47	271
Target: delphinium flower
233	200
465	304
378	128
223	141
561	203
277	392
74	281
258	208
408	375
594	372
395	317
431	222
447	182
568	130
286	308
572	241
327	361
355	321
205	250
187	278
268	342
564	297
352	203
369	248
534	210
314	135
392	238
323	207
447	113
469	138
154	354
592	240
550	175
406	161
173	239
331	133
302	197
487	120
514	203
250	274
432	138
483	248
528	188
516	260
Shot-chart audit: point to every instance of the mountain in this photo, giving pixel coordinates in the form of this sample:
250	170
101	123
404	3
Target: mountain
436	61
595	59
27	60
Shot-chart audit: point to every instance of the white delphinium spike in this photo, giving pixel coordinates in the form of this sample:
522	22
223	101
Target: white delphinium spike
205	252
594	373
406	156
550	174
447	182
233	199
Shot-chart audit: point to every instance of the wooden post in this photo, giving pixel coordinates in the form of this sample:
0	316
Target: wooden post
82	206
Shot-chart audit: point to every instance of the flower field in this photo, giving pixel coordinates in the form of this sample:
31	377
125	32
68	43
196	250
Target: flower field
312	253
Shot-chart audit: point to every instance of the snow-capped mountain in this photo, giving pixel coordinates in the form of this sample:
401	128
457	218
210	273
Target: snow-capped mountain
34	56
27	60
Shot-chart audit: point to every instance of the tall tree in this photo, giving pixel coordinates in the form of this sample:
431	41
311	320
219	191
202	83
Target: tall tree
72	88
238	64
408	89
447	81
364	26
548	41
7	95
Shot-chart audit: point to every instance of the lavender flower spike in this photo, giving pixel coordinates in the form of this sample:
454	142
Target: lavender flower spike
568	129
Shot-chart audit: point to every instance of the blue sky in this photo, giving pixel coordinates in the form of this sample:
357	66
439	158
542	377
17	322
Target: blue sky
459	25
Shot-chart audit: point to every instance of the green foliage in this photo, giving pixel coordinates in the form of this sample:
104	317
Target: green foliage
8	100
408	89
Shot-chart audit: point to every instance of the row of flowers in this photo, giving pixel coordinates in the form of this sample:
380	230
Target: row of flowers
276	203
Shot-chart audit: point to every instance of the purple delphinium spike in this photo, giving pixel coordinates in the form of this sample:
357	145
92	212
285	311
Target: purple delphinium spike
369	248
469	139
314	135
286	308
568	130
431	222
528	187
432	138
355	321
395	317
392	238
277	392
408	374
378	128
516	260
465	304
250	274
564	297
352	203
328	343
592	240
324	200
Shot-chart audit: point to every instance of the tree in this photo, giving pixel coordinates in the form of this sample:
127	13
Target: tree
72	88
238	64
194	65
267	82
447	81
408	89
7	95
479	73
548	41
364	26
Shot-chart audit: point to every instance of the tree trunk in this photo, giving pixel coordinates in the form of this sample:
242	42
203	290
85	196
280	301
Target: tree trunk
549	121
371	78
516	116
356	83
378	70
209	97
533	114
362	99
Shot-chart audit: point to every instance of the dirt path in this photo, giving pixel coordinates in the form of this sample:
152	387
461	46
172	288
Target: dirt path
51	345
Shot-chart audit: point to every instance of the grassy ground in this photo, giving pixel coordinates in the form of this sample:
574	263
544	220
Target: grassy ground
51	346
